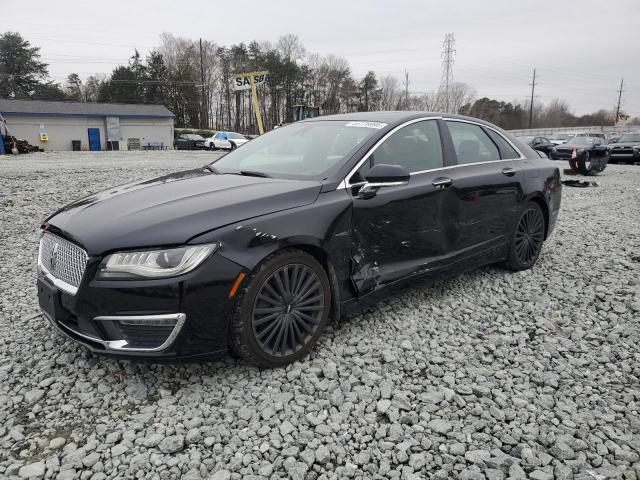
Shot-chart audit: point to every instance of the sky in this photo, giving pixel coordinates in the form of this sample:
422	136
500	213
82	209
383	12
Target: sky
580	49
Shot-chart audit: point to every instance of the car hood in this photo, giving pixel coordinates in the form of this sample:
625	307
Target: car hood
172	209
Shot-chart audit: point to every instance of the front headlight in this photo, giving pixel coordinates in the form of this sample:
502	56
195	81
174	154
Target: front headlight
154	263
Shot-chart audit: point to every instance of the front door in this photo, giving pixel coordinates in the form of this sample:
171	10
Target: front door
402	230
94	139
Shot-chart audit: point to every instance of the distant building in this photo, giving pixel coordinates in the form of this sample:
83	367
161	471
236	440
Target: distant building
98	126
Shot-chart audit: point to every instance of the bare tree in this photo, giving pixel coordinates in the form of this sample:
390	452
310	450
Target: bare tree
557	114
460	94
91	87
390	93
290	47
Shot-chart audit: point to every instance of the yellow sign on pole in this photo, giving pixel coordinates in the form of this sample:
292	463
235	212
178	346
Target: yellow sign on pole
251	80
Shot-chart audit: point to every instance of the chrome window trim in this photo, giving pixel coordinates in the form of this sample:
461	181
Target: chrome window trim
345	182
121	345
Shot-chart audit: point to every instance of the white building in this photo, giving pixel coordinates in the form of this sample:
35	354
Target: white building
54	125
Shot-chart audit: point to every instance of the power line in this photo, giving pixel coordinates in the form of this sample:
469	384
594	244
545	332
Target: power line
533	87
406	89
619	100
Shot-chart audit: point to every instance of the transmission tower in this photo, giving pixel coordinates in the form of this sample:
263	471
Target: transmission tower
446	83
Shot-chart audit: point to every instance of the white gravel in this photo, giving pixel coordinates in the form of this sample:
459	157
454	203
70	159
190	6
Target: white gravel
489	375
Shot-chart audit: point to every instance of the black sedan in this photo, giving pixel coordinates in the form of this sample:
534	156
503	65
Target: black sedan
586	155
190	141
259	250
626	149
541	144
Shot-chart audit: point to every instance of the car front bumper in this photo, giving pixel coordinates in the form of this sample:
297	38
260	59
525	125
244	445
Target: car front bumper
158	319
627	156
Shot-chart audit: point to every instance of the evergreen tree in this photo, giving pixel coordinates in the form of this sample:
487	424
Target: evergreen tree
21	70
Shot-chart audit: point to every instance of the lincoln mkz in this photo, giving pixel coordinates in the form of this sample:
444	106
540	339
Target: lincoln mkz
258	251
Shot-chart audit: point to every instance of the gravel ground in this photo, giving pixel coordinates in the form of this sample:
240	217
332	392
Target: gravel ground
489	375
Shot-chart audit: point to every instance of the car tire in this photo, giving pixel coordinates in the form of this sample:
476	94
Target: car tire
526	239
233	146
282	310
584	164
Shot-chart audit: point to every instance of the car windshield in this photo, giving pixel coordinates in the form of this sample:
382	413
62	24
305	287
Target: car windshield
560	136
630	137
305	150
191	136
236	136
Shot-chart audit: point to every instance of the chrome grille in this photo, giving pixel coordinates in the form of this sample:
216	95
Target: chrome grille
62	259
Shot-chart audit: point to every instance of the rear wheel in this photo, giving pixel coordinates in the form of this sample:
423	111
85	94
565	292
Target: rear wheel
527	238
282	311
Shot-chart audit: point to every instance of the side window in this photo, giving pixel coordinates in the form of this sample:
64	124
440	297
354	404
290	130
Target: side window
471	143
506	150
416	147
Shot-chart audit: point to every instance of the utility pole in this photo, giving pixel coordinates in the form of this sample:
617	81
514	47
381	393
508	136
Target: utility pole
204	114
448	52
533	88
619	100
406	89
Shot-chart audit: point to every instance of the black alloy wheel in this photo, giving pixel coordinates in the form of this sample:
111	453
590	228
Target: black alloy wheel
287	310
527	238
282	310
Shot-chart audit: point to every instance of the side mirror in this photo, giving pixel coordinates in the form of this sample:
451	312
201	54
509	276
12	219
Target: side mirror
383	176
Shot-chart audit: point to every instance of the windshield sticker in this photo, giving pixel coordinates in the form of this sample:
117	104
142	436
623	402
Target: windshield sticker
376	125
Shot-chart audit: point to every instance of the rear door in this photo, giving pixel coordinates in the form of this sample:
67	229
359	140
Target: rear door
487	186
403	230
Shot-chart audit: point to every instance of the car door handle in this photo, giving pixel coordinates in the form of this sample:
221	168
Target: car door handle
442	182
509	172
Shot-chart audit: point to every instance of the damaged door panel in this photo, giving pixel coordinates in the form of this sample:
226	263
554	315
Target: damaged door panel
401	232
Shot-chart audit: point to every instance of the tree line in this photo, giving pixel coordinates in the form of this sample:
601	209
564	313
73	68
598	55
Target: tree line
193	79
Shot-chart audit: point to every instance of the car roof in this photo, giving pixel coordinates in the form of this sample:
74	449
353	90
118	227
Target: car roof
394	117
